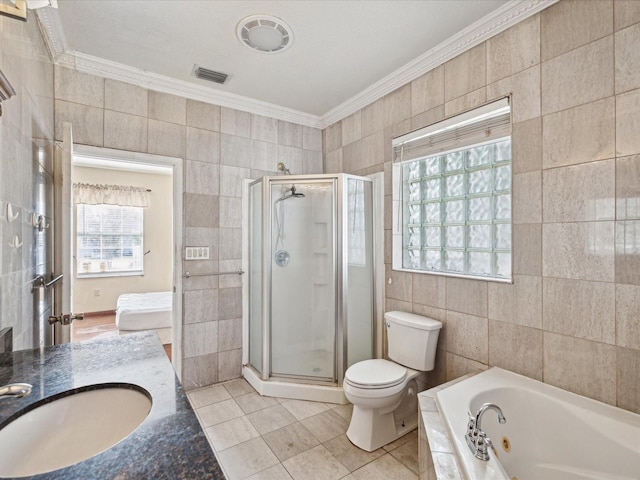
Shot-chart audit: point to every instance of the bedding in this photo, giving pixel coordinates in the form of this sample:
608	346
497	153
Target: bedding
144	311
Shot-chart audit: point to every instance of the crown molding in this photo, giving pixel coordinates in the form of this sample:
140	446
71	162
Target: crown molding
501	19
161	83
52	32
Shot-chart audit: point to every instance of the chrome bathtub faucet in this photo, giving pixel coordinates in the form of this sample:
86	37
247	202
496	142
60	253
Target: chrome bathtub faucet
476	438
15	390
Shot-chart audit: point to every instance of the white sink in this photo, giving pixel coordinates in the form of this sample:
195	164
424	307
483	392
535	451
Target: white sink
70	429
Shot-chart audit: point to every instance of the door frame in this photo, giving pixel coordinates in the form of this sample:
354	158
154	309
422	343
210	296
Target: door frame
176	164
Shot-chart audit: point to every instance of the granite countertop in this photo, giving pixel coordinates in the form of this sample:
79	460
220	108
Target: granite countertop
169	444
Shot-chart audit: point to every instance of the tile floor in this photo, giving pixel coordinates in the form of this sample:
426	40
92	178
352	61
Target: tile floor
263	438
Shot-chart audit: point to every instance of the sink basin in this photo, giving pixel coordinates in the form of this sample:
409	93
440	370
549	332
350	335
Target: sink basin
70	427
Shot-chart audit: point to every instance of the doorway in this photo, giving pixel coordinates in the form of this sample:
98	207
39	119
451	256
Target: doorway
102	272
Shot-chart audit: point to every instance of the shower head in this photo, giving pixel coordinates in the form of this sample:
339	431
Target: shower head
294	193
291	193
287	197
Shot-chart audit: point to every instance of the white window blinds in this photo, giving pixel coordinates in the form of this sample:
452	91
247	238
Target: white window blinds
482	124
109	240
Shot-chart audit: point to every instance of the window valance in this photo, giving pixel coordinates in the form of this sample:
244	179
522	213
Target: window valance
125	196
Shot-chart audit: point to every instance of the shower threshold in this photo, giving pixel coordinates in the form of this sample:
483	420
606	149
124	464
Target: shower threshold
290	389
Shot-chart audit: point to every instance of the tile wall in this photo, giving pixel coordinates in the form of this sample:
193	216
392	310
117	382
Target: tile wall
26	181
220	147
572	315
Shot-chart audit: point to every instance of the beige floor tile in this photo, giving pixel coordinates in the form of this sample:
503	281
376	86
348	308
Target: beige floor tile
270	419
230	433
407	455
246	459
412	435
303	409
384	468
326	425
208	395
315	464
349	455
219	412
290	441
238	387
252	402
243	454
345	411
277	472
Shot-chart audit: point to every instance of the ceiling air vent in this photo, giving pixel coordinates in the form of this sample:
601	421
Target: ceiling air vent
210	75
265	33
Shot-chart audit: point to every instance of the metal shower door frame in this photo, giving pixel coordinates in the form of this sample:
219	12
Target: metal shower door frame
339	266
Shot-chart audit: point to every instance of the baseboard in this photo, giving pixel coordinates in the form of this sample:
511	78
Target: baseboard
97	314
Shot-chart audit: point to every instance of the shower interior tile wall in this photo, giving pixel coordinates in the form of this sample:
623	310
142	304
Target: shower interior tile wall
572	314
26	180
221	147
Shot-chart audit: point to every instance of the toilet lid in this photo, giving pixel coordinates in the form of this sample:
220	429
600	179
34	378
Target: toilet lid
376	373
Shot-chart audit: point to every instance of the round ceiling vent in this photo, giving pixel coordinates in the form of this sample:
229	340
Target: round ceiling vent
264	33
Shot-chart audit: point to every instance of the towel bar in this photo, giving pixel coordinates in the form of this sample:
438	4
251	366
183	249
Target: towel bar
189	274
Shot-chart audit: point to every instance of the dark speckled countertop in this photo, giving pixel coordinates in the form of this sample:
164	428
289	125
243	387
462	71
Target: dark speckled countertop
169	444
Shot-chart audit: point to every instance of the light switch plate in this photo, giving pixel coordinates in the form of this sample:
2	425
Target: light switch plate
197	253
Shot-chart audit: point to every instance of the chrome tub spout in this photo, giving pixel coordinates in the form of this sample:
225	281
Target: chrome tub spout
476	438
484	408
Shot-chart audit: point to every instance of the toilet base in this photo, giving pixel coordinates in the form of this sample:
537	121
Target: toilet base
375	430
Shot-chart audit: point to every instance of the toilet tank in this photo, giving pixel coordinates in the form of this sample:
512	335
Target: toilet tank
412	339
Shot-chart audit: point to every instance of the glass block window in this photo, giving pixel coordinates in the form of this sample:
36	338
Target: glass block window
109	240
452	209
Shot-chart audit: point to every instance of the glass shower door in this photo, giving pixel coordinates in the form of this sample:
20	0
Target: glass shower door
303	280
255	277
359	297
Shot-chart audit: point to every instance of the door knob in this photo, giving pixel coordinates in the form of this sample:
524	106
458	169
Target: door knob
66	318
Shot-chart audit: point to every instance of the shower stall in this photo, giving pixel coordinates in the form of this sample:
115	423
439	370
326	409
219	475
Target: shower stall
311	302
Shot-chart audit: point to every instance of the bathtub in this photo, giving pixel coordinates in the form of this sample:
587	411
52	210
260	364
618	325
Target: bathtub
549	434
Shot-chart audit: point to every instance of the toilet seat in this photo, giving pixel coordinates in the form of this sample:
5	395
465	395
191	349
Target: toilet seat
375	374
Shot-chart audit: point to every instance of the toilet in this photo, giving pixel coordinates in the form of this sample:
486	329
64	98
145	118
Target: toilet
384	393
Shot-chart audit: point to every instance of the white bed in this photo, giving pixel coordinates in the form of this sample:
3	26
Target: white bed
144	311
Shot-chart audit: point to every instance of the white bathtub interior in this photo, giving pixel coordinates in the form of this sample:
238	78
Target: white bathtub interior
549	434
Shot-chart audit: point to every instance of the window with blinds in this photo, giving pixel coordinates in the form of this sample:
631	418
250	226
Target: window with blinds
109	240
452	196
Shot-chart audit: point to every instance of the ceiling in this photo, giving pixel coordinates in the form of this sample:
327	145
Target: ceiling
340	49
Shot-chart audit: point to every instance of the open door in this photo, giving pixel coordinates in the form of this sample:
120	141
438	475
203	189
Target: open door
63	240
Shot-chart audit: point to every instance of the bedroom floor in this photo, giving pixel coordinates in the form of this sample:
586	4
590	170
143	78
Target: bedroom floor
94	325
99	325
